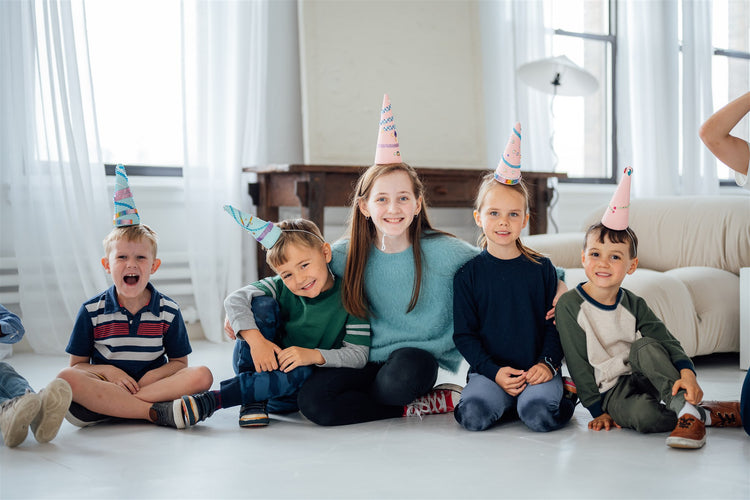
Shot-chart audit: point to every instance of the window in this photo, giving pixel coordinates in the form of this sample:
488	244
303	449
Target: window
731	63
584	134
135	64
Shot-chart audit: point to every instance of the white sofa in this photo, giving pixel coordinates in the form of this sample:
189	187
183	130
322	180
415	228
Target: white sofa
690	252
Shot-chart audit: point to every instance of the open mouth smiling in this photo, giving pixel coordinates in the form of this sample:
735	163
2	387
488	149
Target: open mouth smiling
131	279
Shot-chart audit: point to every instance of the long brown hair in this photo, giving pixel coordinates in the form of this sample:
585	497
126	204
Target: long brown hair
488	184
362	234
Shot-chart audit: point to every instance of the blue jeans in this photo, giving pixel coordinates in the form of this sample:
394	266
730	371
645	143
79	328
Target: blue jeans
12	384
251	386
541	407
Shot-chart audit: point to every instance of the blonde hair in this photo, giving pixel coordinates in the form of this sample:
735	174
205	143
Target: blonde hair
362	234
300	232
139	232
488	184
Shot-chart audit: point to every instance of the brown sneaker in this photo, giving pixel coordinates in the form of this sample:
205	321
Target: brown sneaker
690	432
724	413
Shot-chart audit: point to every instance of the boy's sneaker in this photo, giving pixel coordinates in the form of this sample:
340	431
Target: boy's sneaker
56	398
198	407
81	416
442	398
690	433
254	415
15	416
168	414
569	390
723	413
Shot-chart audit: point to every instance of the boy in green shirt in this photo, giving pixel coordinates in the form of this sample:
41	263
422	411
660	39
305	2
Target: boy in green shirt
285	325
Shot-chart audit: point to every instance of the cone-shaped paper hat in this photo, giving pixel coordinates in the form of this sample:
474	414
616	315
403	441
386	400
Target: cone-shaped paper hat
508	169
616	215
266	233
387	151
125	212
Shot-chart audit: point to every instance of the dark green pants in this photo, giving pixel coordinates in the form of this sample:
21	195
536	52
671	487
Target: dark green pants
634	402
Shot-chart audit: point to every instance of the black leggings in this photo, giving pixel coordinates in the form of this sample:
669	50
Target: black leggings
339	396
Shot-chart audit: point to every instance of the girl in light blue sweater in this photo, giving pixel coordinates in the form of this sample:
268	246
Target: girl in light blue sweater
398	270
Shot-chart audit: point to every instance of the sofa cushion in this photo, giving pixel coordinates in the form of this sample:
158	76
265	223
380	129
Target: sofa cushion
666	295
716	298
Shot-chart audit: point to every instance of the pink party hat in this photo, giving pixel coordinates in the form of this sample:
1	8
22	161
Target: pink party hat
266	233
125	212
508	169
387	151
616	215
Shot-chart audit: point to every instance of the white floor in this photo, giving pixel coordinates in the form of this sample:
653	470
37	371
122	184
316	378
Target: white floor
398	458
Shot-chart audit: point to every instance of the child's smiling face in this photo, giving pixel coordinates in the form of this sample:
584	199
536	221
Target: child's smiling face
131	264
305	272
607	263
392	205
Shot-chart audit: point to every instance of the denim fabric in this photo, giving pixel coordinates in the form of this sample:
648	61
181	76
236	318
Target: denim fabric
11	383
541	407
249	386
745	403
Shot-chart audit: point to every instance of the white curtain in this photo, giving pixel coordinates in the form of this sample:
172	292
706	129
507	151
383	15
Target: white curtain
699	174
649	105
512	35
224	78
50	163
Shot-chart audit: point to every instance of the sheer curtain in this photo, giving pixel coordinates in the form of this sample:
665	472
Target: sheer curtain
58	194
224	68
648	90
512	35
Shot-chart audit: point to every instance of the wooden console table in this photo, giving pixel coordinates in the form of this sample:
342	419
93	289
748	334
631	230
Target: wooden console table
314	187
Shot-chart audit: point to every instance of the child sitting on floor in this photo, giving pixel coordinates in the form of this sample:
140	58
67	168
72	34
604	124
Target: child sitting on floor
622	358
129	346
280	341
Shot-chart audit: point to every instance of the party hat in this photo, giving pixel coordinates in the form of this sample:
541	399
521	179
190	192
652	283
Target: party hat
387	151
266	233
616	215
508	169
125	212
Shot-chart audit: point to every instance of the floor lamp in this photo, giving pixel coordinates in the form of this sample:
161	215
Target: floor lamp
557	76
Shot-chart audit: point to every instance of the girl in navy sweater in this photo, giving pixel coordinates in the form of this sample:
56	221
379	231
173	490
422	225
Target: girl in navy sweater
499	309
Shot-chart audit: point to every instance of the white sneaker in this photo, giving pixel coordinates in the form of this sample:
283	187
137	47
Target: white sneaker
56	398
15	416
442	398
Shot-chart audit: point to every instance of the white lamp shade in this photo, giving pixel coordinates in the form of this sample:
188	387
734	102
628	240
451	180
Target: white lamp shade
558	75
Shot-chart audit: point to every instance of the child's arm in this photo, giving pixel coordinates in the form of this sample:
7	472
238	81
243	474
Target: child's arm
732	151
11	329
561	289
110	373
511	380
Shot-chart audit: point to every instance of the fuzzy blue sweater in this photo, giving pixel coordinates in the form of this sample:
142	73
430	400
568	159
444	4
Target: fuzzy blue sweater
389	279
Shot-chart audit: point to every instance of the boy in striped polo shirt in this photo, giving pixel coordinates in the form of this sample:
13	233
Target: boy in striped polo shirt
129	346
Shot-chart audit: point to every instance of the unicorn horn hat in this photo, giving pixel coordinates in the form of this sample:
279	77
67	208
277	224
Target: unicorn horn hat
617	213
387	151
508	169
266	233
125	212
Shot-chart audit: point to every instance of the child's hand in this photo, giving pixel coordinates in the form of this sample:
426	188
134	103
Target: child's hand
687	381
511	380
228	329
292	357
538	374
117	377
603	421
561	289
262	350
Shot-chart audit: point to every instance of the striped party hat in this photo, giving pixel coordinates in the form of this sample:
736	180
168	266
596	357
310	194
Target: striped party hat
125	212
617	213
508	169
387	151
266	233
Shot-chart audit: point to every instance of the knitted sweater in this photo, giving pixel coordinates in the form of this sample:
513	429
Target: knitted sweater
389	280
